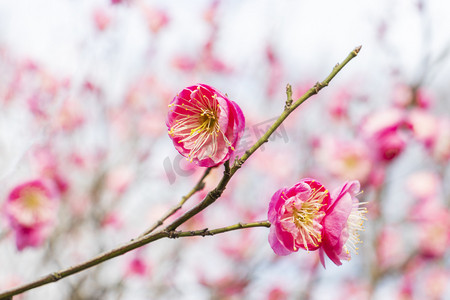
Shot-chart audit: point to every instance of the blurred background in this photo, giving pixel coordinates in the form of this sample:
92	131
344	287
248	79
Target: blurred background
84	89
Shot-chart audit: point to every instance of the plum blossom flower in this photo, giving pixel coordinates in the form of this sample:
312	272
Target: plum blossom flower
344	158
30	209
296	215
343	220
204	125
382	131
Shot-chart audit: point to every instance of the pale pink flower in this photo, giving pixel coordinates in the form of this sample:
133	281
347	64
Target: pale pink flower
204	125
119	179
405	96
112	220
402	95
137	266
382	131
101	19
433	132
70	116
434	236
346	159
30	203
433	220
184	63
390	248
277	293
423	125
31	209
343	221
156	18
440	149
436	283
338	106
229	286
423	185
46	163
296	215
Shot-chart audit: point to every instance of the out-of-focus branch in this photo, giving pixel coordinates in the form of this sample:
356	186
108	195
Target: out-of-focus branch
212	196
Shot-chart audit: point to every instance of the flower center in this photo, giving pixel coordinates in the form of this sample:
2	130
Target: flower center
31	200
208	122
306	221
31	207
307	217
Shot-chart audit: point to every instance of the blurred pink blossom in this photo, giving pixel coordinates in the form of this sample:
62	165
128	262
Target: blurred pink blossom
31	208
433	132
382	131
440	149
204	125
296	215
112	220
277	293
345	159
405	96
436	283
70	116
101	19
119	179
155	18
46	164
424	126
390	248
137	266
423	185
338	106
228	286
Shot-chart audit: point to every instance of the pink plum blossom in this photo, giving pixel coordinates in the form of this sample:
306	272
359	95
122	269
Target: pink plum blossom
204	125
390	249
432	131
155	18
440	149
137	266
382	131
343	220
423	185
296	215
101	19
30	209
338	107
405	96
423	126
344	158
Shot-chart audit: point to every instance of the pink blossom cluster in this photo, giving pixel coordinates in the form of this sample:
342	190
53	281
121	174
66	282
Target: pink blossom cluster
305	216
